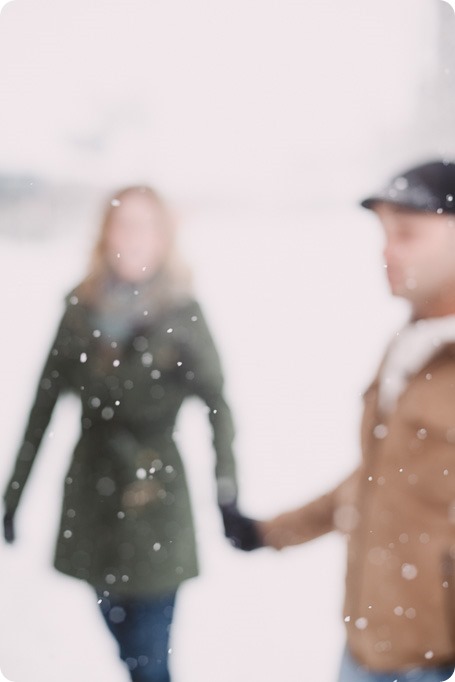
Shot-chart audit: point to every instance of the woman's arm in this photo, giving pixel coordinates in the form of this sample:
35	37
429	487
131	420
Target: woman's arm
51	383
203	371
205	379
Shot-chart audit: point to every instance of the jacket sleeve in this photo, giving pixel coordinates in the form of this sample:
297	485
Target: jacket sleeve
51	383
205	379
334	510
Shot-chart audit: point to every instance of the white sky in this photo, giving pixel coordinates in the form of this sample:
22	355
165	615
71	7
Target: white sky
211	98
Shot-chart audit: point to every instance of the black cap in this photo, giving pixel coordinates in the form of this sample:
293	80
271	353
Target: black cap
429	187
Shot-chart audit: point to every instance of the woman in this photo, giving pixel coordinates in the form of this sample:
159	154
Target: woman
133	344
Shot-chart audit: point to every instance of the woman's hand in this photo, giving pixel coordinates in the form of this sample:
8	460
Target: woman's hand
239	529
8	527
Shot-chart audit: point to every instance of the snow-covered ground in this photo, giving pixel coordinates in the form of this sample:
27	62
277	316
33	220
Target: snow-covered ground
298	305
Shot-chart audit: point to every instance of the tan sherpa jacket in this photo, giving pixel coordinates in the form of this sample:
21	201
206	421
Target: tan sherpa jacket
398	513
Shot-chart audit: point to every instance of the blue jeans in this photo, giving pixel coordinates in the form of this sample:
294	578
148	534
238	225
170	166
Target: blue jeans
141	627
352	672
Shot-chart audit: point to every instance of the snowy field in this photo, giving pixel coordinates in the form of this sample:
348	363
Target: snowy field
299	307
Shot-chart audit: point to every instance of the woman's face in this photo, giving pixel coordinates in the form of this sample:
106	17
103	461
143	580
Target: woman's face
136	240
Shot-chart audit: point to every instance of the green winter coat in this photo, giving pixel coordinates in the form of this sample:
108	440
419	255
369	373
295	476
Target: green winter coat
126	522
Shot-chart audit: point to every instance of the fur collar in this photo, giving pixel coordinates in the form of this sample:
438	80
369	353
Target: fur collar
409	352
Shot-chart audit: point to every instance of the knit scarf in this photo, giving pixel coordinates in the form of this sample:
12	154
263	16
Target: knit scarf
121	307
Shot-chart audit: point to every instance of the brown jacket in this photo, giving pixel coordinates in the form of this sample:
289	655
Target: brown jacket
398	513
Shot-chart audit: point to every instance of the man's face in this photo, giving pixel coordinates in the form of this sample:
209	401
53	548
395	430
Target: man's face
419	252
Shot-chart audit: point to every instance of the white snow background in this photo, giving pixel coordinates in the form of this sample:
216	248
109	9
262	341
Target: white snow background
264	122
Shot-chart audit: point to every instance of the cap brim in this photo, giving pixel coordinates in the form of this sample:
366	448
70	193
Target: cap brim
371	202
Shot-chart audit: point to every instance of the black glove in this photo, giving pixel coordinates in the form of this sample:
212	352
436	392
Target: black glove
8	527
239	529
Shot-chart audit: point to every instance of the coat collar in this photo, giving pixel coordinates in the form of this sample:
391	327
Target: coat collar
416	344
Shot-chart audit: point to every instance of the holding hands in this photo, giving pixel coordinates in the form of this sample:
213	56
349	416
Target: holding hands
239	529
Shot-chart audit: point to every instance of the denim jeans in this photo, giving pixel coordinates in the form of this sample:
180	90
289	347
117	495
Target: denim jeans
351	671
141	627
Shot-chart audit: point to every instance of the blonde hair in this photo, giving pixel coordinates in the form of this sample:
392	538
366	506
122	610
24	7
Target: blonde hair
175	276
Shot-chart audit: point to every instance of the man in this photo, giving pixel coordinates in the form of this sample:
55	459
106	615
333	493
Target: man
397	509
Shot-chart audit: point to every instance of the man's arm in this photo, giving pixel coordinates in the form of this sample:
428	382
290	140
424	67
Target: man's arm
334	510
